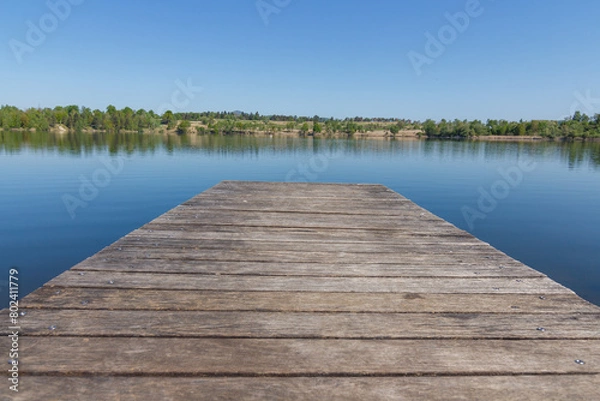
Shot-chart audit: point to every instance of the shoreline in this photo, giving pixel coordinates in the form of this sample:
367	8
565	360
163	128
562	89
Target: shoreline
380	135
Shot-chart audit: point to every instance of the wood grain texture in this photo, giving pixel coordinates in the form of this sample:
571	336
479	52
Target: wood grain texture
404	222
498	388
194	300
423	246
315	234
309	269
274	256
174	282
155	231
309	325
281	291
302	190
268	357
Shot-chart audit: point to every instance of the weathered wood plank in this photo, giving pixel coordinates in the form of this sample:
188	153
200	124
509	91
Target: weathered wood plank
323	195
191	356
232	233
319	195
364	191
168	235
422	246
297	198
310	233
346	195
307	269
407	221
194	300
380	207
498	388
296	205
126	254
308	325
93	279
297	189
303	187
350	207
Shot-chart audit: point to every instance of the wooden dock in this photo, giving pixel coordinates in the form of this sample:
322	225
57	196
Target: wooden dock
279	291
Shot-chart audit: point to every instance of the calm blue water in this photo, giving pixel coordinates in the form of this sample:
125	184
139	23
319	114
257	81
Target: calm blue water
547	216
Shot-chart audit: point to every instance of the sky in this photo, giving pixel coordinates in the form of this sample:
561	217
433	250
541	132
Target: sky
415	59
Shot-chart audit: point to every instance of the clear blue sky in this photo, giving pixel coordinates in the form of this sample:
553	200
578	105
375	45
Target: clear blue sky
518	59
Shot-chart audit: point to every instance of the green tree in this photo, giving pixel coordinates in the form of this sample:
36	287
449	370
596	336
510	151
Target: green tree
97	120
60	115
108	123
183	127
351	127
477	128
304	128
520	129
168	118
85	117
430	128
317	128
126	119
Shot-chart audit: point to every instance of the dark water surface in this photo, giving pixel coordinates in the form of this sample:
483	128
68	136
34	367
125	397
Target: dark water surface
63	198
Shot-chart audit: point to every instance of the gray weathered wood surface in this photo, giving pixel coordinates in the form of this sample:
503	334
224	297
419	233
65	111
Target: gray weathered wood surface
286	291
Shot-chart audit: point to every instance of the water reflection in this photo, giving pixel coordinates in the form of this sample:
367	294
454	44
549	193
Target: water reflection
573	154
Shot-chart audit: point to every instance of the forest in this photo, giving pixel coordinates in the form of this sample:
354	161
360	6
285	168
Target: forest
578	126
75	118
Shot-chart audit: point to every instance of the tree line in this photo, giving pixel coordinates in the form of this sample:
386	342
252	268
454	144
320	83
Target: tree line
80	118
578	126
77	118
240	115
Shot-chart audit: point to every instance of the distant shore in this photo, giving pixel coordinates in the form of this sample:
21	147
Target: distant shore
380	134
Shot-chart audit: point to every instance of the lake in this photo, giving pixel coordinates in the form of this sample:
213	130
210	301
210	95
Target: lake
65	197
